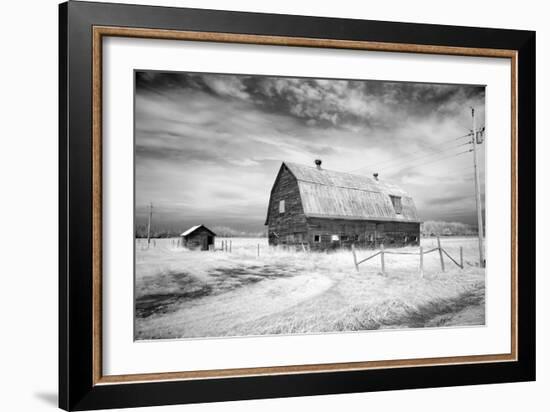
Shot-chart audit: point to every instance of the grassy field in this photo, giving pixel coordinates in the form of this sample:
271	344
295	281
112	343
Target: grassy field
190	294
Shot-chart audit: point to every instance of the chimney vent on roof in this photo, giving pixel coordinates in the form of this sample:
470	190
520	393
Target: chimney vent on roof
318	163
375	176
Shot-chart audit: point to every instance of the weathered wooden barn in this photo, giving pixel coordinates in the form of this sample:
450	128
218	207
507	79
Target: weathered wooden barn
323	209
198	237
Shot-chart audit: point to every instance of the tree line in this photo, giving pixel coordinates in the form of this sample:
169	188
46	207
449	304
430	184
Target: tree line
442	228
428	228
222	231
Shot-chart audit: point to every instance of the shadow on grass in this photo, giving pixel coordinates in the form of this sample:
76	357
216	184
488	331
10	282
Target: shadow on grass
187	286
438	313
190	288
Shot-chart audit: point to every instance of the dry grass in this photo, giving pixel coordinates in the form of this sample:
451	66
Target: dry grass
183	294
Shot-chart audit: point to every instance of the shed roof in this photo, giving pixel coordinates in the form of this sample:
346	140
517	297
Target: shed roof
330	194
194	228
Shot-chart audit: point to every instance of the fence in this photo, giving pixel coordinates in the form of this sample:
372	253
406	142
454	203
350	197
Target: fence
382	252
227	246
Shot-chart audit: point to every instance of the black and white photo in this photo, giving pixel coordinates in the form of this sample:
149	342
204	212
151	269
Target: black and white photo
275	205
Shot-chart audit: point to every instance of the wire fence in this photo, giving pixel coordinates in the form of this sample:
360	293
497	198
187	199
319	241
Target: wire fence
421	252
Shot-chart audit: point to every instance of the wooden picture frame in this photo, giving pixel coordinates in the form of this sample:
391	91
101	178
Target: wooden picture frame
82	27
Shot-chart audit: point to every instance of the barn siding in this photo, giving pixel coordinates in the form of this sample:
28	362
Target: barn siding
361	233
288	227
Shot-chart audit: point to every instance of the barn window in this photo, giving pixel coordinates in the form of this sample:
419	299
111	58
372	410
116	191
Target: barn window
396	202
317	238
335	238
345	238
281	206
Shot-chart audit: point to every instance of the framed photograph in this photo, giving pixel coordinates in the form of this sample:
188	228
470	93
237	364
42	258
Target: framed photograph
257	205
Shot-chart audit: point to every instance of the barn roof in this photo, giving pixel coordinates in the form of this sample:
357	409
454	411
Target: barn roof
194	228
331	194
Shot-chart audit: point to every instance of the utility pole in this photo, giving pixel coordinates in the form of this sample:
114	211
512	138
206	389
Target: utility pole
478	194
149	224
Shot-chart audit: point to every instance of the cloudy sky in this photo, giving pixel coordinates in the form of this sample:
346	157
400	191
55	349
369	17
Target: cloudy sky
208	146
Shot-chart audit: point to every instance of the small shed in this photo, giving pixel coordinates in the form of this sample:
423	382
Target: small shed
198	237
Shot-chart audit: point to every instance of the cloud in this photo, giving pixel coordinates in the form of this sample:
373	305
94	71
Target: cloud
227	86
243	162
208	147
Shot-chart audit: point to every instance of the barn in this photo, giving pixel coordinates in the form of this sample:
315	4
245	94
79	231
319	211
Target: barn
198	237
324	209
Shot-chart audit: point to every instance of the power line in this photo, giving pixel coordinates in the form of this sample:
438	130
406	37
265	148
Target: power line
478	134
436	160
458	170
395	163
407	158
443	158
393	159
417	158
150	218
414	162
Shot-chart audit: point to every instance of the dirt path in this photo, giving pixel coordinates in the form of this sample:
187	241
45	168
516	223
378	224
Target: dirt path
221	315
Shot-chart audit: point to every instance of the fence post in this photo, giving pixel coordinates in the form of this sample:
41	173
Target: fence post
382	259
258	250
354	258
440	254
230	245
421	262
461	258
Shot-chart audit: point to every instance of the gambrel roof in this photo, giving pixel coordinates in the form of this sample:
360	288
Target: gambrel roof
330	194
